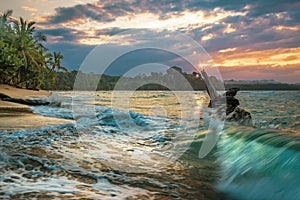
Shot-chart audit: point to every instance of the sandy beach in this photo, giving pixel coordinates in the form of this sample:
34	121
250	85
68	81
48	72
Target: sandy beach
18	116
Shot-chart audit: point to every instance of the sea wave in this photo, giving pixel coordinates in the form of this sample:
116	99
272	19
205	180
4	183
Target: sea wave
259	164
111	154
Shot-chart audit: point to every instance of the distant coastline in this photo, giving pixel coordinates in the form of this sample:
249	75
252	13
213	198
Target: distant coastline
91	81
261	85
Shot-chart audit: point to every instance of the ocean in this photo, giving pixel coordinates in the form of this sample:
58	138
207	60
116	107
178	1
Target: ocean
145	145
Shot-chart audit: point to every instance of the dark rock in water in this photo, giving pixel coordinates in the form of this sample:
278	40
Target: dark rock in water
233	112
231	101
239	115
232	92
30	102
231	104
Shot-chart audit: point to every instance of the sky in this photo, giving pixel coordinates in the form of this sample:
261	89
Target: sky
247	40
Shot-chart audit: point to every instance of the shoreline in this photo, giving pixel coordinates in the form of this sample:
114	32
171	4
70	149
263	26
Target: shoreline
15	116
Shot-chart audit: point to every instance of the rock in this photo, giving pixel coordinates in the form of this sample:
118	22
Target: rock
232	92
241	116
233	112
218	102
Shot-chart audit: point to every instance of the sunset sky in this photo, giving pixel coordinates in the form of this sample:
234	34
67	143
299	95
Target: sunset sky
247	40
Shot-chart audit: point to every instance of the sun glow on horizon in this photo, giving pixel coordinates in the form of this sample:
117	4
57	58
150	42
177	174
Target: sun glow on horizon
272	57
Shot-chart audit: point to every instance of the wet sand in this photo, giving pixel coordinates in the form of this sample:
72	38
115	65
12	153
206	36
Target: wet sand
22	93
18	116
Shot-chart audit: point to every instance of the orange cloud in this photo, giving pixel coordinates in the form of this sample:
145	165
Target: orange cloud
272	57
227	50
289	58
229	29
284	28
30	9
151	20
207	37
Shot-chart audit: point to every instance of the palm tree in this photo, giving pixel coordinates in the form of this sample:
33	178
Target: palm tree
24	60
4	22
57	58
5	15
9	61
54	60
6	33
29	50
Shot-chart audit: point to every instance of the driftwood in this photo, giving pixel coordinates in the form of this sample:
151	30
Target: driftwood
30	102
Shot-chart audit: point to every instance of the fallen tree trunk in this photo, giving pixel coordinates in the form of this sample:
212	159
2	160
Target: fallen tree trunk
30	102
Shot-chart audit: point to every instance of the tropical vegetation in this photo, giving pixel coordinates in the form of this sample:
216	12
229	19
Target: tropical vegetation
24	60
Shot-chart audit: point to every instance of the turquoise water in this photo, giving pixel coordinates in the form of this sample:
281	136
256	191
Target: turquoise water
147	148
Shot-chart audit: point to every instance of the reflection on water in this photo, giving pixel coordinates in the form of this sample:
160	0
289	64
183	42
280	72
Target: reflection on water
108	160
132	155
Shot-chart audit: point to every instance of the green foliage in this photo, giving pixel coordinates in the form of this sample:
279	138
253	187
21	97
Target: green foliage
9	62
24	61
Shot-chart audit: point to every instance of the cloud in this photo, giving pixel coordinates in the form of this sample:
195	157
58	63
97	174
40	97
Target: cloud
64	34
240	22
92	11
227	50
290	58
260	8
273	57
27	8
107	11
258	33
233	28
110	31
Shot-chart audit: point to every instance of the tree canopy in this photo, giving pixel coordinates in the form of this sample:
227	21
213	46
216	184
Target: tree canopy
24	60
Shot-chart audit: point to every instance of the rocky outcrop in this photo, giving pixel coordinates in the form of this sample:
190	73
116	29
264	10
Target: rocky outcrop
227	103
233	112
240	116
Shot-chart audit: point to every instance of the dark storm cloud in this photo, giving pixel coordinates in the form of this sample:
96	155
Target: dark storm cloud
256	30
295	16
105	11
80	12
108	10
237	19
110	31
66	33
211	4
73	35
260	8
254	38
